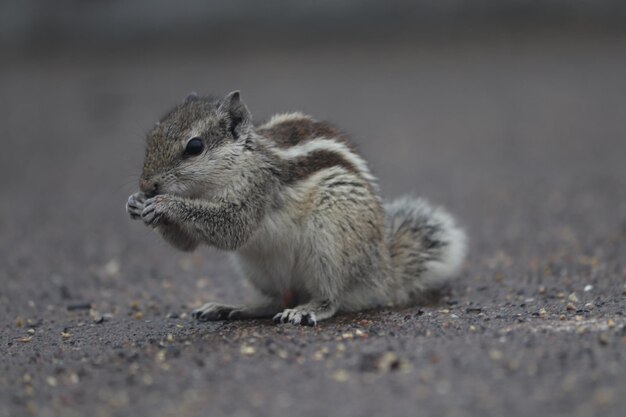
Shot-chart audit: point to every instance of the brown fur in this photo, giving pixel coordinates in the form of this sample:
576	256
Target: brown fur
297	131
305	166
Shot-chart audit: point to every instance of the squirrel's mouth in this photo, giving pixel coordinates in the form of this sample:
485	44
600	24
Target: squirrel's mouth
153	193
150	187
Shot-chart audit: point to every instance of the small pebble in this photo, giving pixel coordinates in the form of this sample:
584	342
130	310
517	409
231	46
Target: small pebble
52	381
31	331
318	356
495	354
603	339
79	306
562	317
340	375
588	288
112	268
160	356
610	323
543	312
389	361
96	316
573	298
570	307
247	350
147	379
202	283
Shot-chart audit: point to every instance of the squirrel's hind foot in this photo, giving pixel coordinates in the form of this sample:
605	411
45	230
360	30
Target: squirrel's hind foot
307	314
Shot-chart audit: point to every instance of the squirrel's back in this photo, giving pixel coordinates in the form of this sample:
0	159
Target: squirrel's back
424	246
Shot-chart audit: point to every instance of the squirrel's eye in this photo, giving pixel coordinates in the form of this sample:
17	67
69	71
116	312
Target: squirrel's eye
194	147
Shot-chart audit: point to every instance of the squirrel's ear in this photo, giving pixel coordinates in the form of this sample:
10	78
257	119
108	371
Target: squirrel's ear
238	113
193	96
233	97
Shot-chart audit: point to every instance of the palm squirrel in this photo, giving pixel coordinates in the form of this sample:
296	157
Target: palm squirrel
298	207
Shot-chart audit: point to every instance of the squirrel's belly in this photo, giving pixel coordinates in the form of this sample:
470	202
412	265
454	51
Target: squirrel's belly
269	260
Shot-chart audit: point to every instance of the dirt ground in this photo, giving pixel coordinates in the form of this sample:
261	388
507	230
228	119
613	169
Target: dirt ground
522	136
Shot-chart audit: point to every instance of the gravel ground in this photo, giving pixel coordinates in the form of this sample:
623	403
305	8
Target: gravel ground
521	136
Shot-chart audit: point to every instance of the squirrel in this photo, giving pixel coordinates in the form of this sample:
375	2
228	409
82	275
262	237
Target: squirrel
298	207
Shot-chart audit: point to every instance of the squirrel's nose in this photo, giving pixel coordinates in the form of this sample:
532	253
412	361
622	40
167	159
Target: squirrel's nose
149	187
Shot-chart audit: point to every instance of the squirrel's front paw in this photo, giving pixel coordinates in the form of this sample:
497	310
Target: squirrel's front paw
155	210
134	205
213	311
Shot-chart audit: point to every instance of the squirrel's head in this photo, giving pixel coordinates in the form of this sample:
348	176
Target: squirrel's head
196	148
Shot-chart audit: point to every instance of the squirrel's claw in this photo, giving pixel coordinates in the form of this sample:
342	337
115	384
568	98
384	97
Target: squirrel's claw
295	317
135	204
154	210
213	312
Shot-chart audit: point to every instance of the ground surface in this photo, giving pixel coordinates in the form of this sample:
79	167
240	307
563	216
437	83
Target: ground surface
522	137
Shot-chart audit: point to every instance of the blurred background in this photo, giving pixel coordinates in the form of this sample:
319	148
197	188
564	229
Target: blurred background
510	113
433	91
86	21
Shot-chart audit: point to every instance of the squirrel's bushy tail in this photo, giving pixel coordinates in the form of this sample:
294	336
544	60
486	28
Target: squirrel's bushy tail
427	249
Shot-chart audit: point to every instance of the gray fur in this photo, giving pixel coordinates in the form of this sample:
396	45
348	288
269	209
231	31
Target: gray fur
301	216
